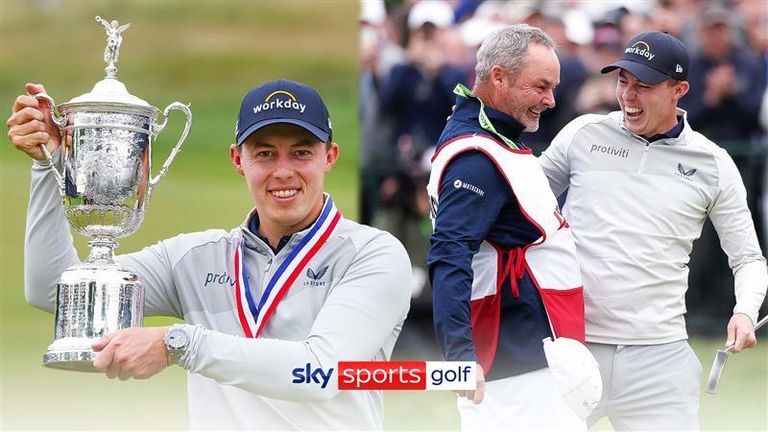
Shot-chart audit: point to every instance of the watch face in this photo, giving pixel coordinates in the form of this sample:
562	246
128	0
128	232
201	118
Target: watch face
177	339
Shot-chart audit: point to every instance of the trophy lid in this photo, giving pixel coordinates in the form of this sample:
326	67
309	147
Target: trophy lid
110	90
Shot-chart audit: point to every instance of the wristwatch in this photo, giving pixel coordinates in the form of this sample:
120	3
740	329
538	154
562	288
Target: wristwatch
177	341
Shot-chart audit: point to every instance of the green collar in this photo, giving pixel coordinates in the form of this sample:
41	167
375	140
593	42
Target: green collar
485	122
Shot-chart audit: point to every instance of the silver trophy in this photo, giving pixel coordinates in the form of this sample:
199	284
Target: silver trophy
105	183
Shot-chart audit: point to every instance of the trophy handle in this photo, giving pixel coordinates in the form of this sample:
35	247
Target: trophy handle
153	181
60	122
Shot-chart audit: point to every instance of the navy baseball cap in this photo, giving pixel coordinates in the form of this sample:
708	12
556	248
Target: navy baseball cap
283	101
653	57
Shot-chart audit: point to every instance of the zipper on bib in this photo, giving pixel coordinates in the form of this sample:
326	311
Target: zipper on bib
265	280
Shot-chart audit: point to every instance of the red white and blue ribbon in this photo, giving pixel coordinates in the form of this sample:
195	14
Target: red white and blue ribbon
253	317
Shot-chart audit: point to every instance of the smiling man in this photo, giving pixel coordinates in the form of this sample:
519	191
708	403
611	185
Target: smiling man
642	183
502	263
295	287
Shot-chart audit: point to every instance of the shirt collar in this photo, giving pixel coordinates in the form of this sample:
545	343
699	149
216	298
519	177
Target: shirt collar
250	230
253	227
672	133
467	110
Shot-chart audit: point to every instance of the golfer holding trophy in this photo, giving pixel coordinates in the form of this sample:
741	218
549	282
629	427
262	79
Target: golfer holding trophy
295	286
105	184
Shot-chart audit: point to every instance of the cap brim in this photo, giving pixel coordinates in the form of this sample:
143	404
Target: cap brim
320	134
644	73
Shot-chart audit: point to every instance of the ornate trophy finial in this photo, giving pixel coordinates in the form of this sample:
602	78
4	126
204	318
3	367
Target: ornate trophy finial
114	39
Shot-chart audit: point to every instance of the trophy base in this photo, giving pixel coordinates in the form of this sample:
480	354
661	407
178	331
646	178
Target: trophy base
92	300
73	354
79	361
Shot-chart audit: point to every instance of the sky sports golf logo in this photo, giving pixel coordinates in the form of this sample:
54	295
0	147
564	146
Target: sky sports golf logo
392	375
277	102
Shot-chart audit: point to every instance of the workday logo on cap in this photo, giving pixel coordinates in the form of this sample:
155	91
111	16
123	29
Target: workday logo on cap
283	101
274	100
653	57
640	48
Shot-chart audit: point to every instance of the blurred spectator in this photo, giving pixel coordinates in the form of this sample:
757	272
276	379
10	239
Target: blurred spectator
631	23
417	96
379	52
755	15
457	53
726	84
764	124
404	212
670	17
509	12
419	93
465	9
723	104
598	95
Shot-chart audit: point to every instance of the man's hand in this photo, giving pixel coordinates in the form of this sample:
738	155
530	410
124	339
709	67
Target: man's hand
476	395
135	352
741	333
719	84
30	125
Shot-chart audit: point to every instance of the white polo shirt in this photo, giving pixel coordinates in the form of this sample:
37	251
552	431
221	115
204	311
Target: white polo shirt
635	209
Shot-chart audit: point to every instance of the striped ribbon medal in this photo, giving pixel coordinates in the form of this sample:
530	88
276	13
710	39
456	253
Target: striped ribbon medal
255	318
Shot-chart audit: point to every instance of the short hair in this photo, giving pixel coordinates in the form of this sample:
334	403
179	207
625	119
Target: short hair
508	47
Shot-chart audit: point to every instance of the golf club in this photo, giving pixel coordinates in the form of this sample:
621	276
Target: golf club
721	356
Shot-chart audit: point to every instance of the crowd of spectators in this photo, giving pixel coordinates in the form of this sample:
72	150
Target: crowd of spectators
414	52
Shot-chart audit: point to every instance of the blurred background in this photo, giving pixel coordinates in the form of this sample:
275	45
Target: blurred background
414	52
386	70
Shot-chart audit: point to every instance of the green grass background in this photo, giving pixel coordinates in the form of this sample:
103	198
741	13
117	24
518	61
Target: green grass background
207	54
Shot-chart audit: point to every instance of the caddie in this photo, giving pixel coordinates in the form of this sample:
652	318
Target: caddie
640	185
302	285
502	263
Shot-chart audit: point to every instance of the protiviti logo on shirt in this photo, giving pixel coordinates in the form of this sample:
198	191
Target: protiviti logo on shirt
218	279
280	99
